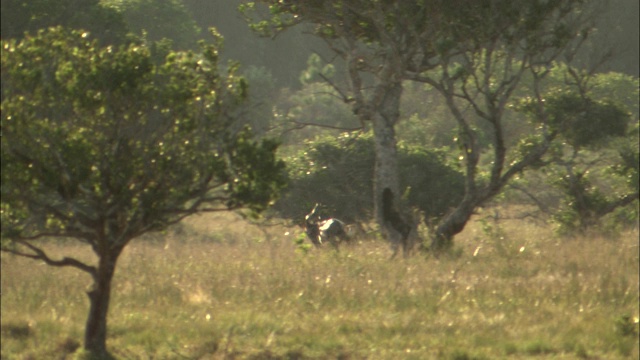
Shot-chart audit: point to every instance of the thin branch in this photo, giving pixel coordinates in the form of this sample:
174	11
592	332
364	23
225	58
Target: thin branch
39	254
528	159
210	210
303	124
346	99
621	202
78	235
544	208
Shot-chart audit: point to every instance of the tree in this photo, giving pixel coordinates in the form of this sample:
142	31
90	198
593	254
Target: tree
485	52
473	53
380	43
597	146
101	146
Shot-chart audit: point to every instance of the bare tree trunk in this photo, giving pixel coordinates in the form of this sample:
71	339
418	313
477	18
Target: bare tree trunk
394	226
386	164
451	225
384	119
99	298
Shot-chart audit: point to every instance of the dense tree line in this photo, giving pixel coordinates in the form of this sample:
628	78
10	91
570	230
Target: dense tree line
481	57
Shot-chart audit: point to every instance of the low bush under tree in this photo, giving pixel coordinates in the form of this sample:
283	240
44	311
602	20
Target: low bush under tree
338	173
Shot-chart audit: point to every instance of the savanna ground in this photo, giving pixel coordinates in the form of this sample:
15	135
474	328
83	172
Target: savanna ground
217	288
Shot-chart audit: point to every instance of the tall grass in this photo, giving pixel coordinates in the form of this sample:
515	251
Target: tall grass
509	290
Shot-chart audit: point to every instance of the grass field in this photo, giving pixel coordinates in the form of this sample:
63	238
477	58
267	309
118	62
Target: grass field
217	288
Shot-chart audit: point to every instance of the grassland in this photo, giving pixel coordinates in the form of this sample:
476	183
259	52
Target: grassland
217	288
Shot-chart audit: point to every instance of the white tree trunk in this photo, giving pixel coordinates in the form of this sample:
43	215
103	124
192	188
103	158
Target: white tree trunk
384	118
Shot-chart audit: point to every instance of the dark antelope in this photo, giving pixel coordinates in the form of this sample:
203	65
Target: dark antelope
319	230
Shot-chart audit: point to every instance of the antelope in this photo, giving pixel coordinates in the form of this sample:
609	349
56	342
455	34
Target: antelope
319	230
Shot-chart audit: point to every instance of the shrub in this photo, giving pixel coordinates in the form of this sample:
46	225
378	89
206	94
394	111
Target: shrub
338	173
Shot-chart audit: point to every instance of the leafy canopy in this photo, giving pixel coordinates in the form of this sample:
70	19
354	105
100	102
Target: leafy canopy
101	143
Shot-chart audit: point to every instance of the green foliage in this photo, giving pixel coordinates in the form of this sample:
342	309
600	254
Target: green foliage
338	171
595	167
426	120
255	176
538	347
595	199
155	20
626	325
583	201
625	337
479	21
434	186
103	133
527	145
581	121
628	166
19	16
104	144
334	171
262	91
315	71
621	89
301	243
624	89
312	110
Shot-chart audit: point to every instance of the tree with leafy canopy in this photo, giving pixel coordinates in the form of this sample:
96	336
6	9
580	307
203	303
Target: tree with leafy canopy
474	53
487	50
100	145
597	145
380	43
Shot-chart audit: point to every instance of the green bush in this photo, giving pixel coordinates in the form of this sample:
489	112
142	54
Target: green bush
338	173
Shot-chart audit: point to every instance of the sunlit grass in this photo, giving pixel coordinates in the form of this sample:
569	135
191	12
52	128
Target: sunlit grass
510	290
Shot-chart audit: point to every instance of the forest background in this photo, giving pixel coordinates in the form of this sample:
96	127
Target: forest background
321	136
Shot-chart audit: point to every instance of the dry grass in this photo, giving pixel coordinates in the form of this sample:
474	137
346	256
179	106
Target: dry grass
218	288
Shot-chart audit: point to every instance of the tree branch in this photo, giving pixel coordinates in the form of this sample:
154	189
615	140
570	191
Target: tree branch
39	254
621	202
303	124
544	208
